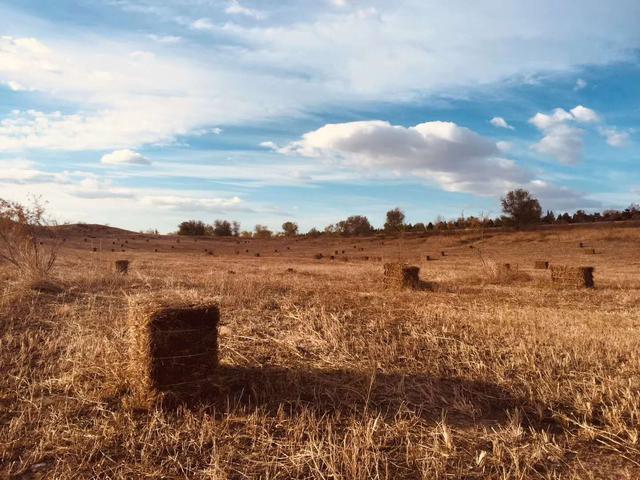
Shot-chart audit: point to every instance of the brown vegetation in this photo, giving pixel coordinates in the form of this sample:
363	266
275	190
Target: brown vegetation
323	373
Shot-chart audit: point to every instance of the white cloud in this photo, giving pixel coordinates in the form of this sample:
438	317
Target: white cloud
615	138
235	8
584	115
454	157
92	187
305	61
193	203
15	86
124	157
500	123
561	140
543	121
580	84
165	39
203	24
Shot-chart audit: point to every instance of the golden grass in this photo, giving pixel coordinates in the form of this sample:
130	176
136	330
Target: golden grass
324	374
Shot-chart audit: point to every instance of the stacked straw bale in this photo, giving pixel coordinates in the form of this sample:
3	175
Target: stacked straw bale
399	275
122	266
579	277
173	352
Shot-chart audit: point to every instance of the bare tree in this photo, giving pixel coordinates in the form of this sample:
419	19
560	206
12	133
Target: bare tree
23	231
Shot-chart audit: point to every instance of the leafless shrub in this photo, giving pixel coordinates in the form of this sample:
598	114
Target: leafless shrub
21	247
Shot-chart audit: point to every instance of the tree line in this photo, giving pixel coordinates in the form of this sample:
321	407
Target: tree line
519	209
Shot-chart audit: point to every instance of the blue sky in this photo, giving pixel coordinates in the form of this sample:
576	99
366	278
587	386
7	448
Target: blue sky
141	114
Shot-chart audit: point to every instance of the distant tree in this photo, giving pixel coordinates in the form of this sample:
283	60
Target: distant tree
222	228
314	232
549	217
521	207
430	226
262	231
419	227
192	227
395	221
246	234
290	229
235	228
355	225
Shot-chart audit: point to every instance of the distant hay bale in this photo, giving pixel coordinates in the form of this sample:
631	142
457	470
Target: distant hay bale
335	252
581	245
362	249
366	258
247	250
318	256
399	275
155	250
290	270
443	253
578	277
94	249
122	266
541	265
590	251
173	350
85	240
332	257
257	254
275	251
343	252
429	258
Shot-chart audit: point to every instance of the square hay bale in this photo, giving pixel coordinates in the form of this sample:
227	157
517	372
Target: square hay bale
122	266
541	265
399	275
578	277
173	350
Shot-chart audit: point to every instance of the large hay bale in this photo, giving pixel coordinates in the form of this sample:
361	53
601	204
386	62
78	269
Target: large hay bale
579	277
122	266
399	275
173	351
541	265
318	256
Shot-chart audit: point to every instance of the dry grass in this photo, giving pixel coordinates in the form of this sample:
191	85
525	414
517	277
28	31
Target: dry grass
324	374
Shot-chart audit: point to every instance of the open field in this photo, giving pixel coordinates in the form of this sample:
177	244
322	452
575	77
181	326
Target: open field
324	374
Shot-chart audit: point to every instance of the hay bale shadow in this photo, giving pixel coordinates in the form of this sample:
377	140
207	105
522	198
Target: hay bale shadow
330	392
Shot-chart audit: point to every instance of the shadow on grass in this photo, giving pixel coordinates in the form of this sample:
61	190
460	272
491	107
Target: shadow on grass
330	392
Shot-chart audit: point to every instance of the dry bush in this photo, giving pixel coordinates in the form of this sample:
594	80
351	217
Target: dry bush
22	228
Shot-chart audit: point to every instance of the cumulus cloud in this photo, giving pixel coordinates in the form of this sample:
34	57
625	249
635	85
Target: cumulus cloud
124	157
500	123
584	115
614	137
562	140
454	157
